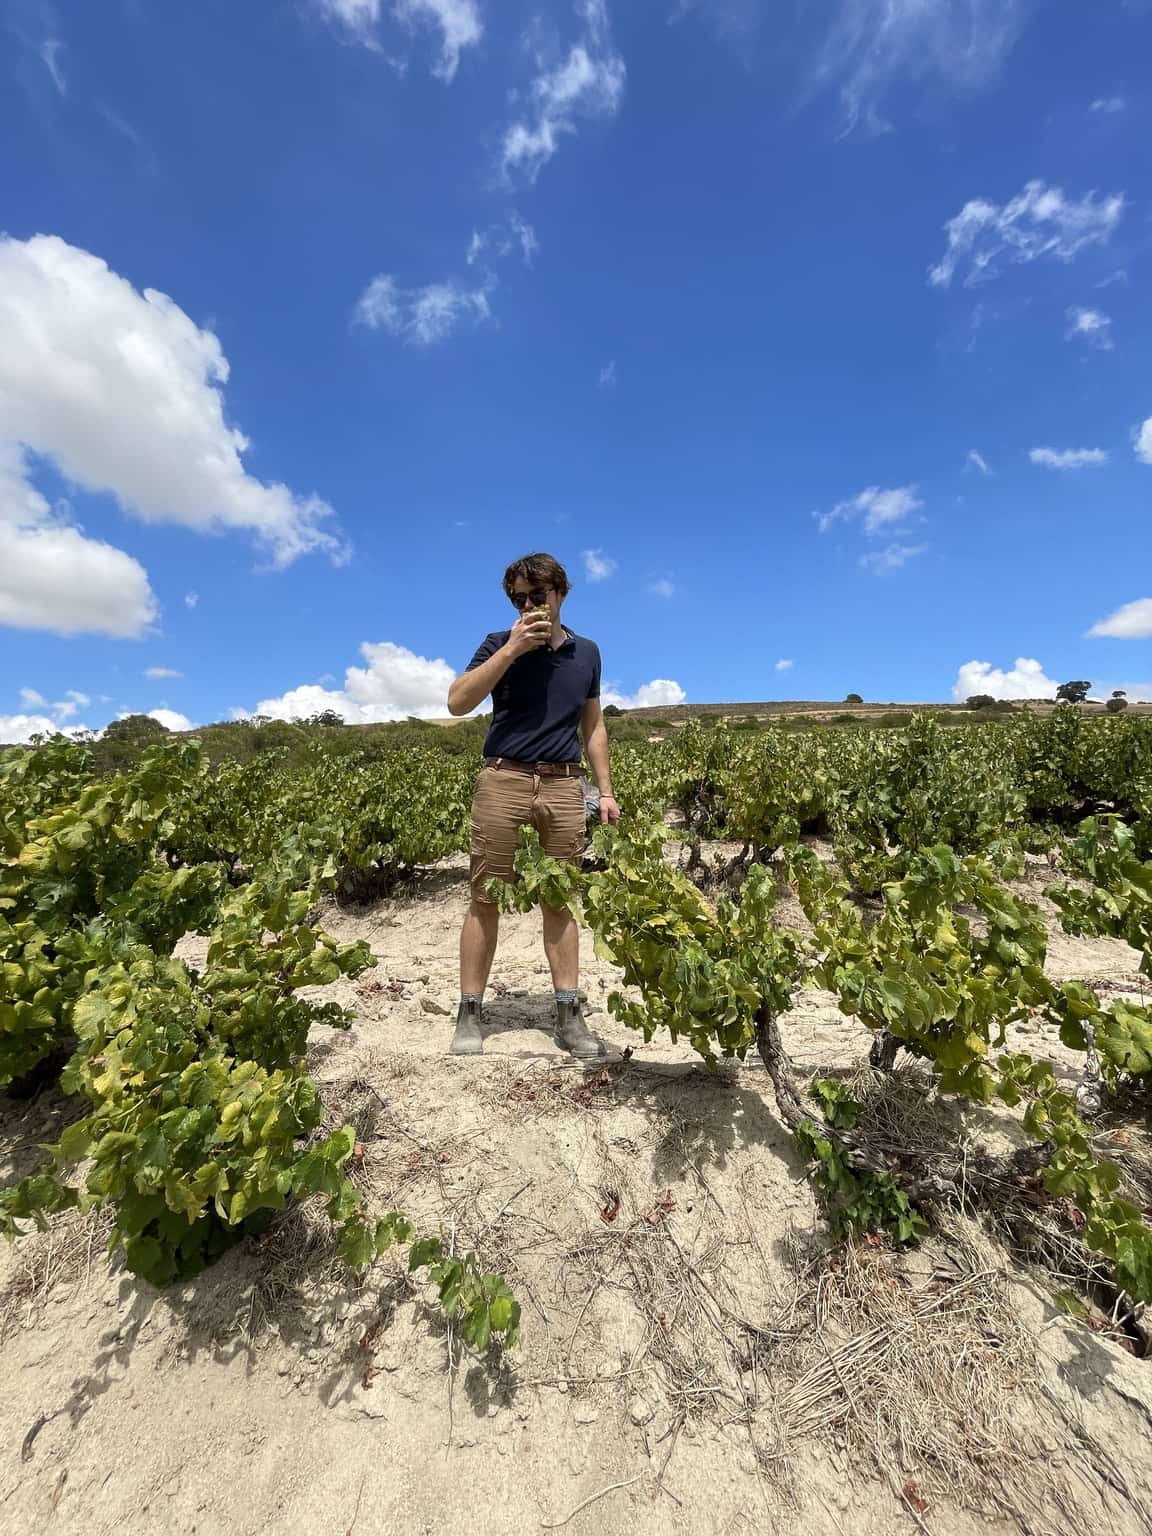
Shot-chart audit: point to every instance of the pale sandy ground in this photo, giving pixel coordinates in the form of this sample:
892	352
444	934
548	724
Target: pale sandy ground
276	1394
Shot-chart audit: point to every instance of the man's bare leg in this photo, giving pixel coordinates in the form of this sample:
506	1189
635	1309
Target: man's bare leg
477	948
562	946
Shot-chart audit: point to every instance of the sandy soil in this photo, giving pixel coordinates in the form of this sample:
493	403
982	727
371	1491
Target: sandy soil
679	1319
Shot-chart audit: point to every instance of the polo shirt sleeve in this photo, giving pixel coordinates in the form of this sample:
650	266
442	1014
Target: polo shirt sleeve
488	647
594	684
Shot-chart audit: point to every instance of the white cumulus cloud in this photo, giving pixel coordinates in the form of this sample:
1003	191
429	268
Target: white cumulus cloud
1038	222
1132	621
597	565
1089	325
18	730
158	672
1143	441
587	82
1069	458
1026	680
393	683
658	694
171	718
53	576
422	317
785	664
38	717
873	46
122	391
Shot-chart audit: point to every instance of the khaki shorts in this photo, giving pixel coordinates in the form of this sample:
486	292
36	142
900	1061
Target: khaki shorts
507	799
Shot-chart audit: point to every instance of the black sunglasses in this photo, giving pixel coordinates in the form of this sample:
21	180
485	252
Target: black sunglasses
537	597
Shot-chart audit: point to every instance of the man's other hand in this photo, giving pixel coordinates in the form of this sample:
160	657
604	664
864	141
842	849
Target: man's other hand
609	811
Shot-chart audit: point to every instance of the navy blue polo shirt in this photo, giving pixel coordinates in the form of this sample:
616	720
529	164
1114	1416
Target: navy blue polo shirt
536	705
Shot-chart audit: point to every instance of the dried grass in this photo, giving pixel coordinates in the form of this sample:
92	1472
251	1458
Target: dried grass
919	1378
66	1254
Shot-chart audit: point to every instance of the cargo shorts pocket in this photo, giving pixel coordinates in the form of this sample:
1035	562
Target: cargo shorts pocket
479	872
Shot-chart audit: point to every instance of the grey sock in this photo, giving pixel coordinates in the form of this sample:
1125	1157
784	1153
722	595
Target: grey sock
473	997
567	995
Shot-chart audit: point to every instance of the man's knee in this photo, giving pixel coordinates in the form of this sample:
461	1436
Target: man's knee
557	917
486	912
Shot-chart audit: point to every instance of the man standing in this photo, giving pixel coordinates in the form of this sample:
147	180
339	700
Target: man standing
545	687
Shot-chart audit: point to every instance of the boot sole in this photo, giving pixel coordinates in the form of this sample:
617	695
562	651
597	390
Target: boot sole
466	1050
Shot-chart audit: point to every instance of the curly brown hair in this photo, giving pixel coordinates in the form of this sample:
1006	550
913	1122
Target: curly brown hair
545	569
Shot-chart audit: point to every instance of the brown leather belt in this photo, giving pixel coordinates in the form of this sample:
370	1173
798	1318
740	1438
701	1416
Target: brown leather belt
545	770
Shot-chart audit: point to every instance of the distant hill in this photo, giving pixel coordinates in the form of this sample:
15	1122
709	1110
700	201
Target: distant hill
824	709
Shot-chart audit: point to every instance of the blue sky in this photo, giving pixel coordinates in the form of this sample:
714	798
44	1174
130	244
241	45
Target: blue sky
809	333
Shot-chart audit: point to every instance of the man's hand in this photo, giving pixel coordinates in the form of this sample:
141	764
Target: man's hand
529	633
609	811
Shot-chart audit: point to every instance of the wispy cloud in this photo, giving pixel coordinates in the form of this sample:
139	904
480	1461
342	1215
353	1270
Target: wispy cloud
1091	326
421	317
1040	221
733	19
1109	105
877	508
191	599
50	50
785	664
607	378
875	45
587	82
458	22
891	557
1069	458
357	17
1142	439
977	461
500	240
158	672
662	587
1132	621
597	565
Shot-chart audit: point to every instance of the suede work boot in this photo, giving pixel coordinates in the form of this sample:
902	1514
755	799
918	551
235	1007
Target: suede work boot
468	1039
573	1035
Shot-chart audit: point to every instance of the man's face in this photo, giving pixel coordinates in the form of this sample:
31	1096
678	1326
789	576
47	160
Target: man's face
528	593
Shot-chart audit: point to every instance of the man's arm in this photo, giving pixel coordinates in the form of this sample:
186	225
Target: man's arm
595	734
471	688
474	686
